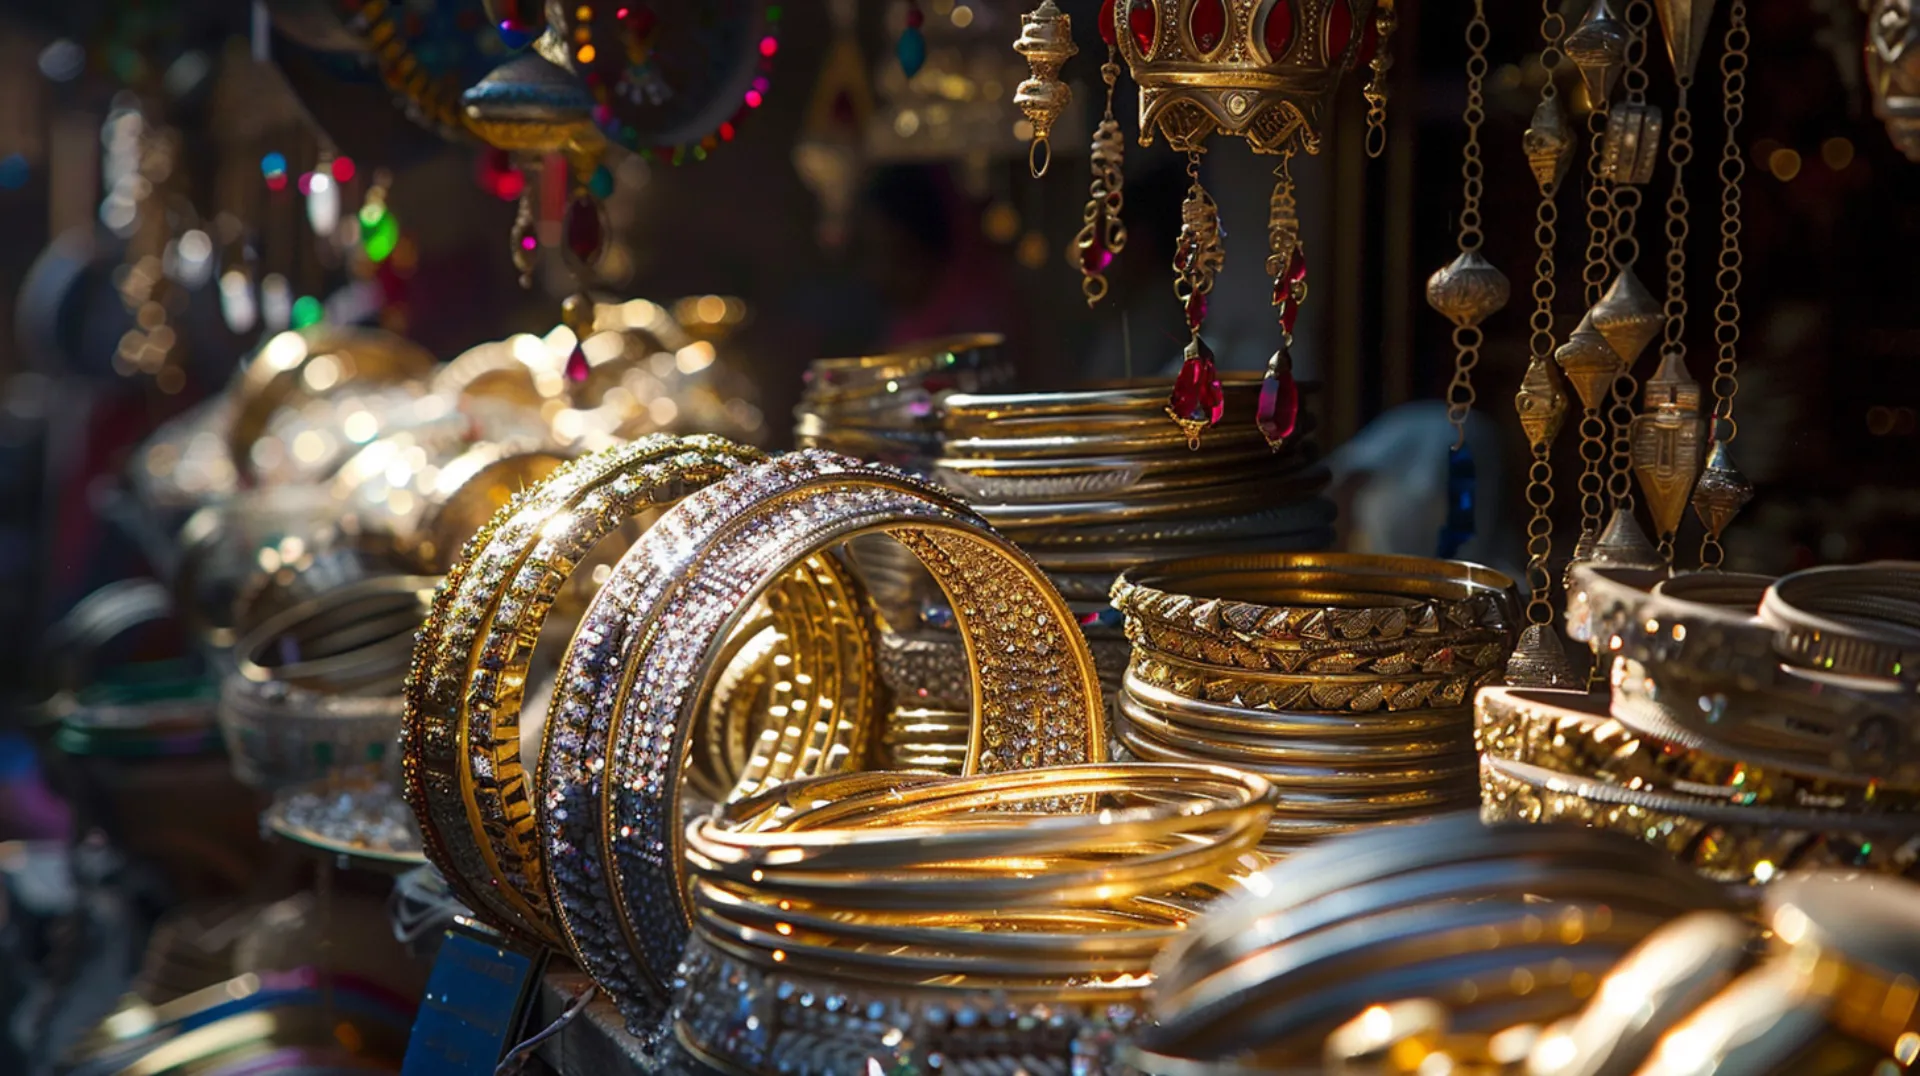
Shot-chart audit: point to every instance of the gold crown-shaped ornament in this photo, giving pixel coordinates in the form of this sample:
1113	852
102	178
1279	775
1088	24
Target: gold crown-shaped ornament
1263	70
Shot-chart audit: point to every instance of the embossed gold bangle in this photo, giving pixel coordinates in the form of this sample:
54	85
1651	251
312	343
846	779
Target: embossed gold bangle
1570	732
640	666
309	363
461	736
1722	841
967	413
1295	692
1861	619
1201	714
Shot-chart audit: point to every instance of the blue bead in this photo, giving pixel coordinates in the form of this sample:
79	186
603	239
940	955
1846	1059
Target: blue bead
912	50
1457	531
512	38
602	183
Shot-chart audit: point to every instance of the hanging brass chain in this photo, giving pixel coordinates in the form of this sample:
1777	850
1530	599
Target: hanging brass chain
1553	28
1726	313
1600	223
1626	251
1375	91
1467	339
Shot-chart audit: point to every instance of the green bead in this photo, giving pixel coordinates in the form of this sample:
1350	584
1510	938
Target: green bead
602	183
307	311
379	231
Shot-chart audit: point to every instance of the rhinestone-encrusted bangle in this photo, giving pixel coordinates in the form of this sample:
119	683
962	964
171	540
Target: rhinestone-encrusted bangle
642	661
461	733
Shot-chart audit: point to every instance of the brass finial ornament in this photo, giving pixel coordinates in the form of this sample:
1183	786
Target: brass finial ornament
1257	69
1721	491
1590	363
1628	316
1468	290
1598	47
1046	40
1622	544
1541	403
1685	24
1539	661
1893	70
1667	443
1548	144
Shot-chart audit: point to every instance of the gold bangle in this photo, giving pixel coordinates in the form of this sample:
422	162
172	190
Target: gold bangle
461	736
1858	619
1209	716
1749	845
1001	411
1572	732
1322	692
1232	499
311	363
1849	940
618	737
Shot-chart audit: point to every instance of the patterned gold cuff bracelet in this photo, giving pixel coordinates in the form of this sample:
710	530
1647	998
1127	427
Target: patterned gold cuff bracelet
641	668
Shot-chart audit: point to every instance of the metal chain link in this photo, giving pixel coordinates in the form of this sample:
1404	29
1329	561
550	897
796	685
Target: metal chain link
1600	222
1553	27
1626	251
1726	313
1467	339
1375	91
1679	155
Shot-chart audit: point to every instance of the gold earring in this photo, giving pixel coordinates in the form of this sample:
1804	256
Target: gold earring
1103	235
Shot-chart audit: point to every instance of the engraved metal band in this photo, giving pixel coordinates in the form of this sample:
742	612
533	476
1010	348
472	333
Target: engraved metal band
461	736
1861	619
641	665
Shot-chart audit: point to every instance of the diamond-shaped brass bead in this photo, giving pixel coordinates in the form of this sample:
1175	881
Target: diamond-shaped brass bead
1590	363
1721	491
1540	661
1468	290
1628	316
1598	47
1548	144
1541	402
1623	544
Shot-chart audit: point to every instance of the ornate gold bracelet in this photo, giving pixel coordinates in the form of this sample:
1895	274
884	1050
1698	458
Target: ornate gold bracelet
1323	692
640	668
461	736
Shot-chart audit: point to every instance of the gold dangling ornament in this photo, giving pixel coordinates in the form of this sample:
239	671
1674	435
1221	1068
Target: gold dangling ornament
583	244
1376	55
1278	413
1198	400
1103	235
1046	40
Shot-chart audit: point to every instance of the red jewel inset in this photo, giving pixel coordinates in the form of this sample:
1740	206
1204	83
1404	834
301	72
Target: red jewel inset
1339	29
1095	257
1207	21
585	236
1278	413
1278	32
1108	32
1197	393
1143	22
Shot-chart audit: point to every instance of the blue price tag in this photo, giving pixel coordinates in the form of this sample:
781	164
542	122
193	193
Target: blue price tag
476	1002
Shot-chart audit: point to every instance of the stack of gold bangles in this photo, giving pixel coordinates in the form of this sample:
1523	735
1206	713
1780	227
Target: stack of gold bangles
584	850
1711	747
1344	679
1490	926
933	923
887	407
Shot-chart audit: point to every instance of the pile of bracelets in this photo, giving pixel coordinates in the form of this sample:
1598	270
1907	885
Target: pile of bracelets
1344	679
935	924
1750	726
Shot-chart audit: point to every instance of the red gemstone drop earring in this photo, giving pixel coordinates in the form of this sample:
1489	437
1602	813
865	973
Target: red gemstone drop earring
1198	401
584	242
1103	235
1279	410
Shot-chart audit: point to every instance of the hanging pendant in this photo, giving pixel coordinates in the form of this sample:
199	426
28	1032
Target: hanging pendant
1548	144
1540	661
1666	442
1628	316
1590	363
911	49
1046	40
1103	235
1278	413
1541	403
577	314
1598	47
1198	401
1468	290
1721	492
1376	54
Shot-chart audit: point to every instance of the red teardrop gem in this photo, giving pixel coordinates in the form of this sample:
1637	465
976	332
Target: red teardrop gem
1339	29
577	368
520	16
1297	266
1143	23
1278	32
584	234
1369	44
1278	413
1196	310
1207	20
1197	394
1095	257
1108	31
1288	315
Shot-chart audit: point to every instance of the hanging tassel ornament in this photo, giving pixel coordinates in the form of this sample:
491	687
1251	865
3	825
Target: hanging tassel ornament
1278	413
1046	40
584	243
1103	235
911	49
1198	400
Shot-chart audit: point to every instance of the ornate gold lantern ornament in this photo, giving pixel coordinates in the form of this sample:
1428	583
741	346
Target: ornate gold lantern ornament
1263	70
1893	70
